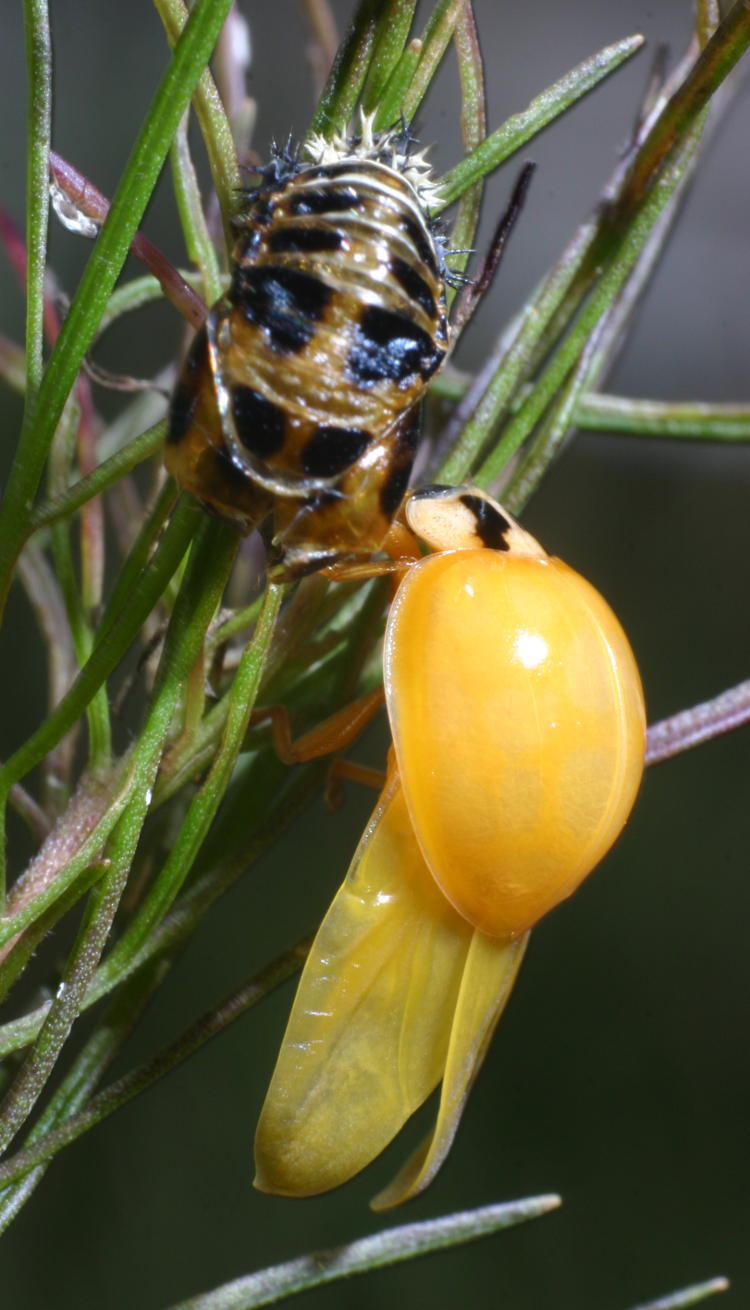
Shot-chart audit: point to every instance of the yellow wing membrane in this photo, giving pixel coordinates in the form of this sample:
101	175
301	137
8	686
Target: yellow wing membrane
377	1017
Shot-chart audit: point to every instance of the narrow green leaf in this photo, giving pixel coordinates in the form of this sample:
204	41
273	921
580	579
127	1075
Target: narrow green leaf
200	247
108	472
388	51
39	123
215	127
112	1098
688	1296
692	420
190	56
385	1248
565	356
80	1082
347	77
544	109
436	38
205	804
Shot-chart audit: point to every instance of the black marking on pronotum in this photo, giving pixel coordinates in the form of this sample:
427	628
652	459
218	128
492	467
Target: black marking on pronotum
305	240
435	491
492	527
332	450
186	393
390	348
259	423
284	302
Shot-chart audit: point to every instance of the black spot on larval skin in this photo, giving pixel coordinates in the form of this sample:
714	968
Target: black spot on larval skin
285	303
492	526
185	395
414	285
259	423
324	200
421	242
393	489
332	450
388	347
305	240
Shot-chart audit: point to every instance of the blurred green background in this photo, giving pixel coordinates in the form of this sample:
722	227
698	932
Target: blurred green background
619	1076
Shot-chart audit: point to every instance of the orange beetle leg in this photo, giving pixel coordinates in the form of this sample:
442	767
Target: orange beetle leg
342	769
335	733
400	545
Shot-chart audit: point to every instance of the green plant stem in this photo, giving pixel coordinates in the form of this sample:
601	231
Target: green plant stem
116	636
39	124
19	956
492	390
687	1296
78	604
215	127
281	798
347	77
554	375
597	353
81	1080
396	87
543	109
384	1248
436	38
198	241
82	961
204	806
264	797
717	59
473	131
138	1080
707	19
199	597
388	49
544	319
691	420
103	268
139	291
43	592
105	475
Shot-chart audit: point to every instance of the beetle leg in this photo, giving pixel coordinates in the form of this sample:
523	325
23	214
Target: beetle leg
342	769
335	733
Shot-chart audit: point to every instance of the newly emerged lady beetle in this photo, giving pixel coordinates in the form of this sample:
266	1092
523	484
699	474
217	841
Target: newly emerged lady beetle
519	736
299	400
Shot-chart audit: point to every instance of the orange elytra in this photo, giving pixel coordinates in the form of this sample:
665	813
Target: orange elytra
516	710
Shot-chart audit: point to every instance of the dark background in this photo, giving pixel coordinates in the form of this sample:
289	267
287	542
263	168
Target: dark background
619	1076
